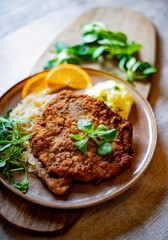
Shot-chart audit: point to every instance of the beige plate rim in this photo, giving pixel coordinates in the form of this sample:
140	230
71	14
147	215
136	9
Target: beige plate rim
108	197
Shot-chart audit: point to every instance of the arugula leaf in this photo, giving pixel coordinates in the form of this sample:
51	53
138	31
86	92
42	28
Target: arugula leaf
12	143
8	113
24	184
21	186
2	163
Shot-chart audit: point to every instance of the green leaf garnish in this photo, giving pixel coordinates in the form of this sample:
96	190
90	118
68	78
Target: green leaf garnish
89	38
82	145
59	46
77	137
85	124
108	135
103	147
135	69
116	88
102	127
12	143
98	51
97	40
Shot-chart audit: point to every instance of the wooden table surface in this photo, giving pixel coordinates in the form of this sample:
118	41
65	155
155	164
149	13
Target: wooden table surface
26	29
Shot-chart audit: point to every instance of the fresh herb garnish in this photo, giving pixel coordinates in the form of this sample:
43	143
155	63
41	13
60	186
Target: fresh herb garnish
103	147
12	143
133	69
98	41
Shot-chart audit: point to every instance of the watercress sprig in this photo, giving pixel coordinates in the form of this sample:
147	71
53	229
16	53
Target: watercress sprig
103	147
12	143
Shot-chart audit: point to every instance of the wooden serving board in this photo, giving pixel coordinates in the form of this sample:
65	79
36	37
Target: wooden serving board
32	218
37	219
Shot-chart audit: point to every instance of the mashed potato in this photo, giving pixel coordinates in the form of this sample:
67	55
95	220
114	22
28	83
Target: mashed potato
115	95
28	110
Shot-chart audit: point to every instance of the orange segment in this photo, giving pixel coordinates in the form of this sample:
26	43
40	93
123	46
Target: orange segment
58	77
54	87
69	75
37	84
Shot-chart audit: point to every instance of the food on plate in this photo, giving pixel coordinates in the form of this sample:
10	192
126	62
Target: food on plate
115	95
68	136
28	110
103	147
62	161
99	42
65	75
15	131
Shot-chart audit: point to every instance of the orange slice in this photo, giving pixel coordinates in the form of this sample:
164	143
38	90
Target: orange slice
37	84
69	75
58	77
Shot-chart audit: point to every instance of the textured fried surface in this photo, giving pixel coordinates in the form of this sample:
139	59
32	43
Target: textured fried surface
59	186
55	149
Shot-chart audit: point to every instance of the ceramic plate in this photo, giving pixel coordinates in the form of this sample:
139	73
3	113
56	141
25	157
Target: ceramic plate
87	194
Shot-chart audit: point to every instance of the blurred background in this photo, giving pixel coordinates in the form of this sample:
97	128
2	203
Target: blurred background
28	27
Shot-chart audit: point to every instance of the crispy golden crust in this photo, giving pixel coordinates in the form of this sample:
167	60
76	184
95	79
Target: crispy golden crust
59	186
55	149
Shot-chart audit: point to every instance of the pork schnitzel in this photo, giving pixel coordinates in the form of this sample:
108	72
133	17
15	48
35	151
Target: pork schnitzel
62	161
